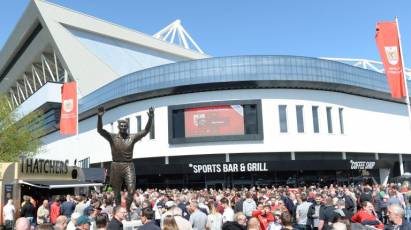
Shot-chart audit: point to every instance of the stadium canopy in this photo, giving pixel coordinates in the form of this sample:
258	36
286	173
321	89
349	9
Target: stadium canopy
51	43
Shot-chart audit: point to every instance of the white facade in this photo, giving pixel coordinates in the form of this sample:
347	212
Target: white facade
370	126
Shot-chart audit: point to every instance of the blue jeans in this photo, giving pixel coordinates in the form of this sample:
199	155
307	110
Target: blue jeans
9	225
408	214
31	220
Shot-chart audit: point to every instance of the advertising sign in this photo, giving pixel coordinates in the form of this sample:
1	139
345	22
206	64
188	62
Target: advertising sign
229	167
220	120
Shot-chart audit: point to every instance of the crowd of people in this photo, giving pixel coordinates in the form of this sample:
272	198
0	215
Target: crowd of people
268	208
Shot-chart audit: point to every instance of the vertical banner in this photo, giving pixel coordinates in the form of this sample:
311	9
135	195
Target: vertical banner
389	48
68	117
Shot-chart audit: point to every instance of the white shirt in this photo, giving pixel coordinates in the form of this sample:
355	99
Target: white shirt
228	215
215	221
8	212
70	226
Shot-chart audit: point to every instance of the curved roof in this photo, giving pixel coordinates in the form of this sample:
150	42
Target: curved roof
238	72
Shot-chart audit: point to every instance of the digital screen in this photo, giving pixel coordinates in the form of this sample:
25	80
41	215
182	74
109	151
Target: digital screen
219	120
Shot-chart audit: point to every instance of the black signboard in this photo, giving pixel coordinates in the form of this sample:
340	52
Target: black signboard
199	167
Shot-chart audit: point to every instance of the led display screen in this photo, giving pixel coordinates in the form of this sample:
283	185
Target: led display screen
215	121
219	120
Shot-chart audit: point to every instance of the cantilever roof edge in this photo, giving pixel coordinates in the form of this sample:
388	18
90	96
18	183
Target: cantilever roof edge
82	21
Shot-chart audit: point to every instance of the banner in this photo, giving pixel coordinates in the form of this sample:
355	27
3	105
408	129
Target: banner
68	117
389	47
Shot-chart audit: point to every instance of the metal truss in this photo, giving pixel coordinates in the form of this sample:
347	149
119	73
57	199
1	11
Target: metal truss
184	39
46	69
367	64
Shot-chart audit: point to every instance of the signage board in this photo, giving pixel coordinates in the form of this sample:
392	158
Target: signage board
43	166
229	167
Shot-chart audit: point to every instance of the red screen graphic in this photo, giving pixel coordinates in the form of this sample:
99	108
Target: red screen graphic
220	120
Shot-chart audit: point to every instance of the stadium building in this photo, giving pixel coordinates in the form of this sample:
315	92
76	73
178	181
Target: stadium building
219	121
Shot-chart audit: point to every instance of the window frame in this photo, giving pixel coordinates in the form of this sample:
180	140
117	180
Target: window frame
328	111
316	119
301	113
281	123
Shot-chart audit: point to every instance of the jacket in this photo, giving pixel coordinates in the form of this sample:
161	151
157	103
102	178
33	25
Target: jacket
249	206
264	220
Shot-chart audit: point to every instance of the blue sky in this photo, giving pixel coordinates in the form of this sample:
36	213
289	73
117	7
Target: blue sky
317	28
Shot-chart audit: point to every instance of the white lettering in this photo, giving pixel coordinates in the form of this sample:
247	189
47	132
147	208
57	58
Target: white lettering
362	164
229	167
242	167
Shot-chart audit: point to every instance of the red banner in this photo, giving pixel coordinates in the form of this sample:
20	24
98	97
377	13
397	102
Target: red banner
389	47
68	117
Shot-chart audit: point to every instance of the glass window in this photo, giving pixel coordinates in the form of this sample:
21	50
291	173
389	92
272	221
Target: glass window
316	124
340	113
329	120
138	123
282	110
128	123
300	118
85	163
152	130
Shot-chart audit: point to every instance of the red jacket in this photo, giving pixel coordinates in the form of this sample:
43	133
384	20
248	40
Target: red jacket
54	212
265	220
363	217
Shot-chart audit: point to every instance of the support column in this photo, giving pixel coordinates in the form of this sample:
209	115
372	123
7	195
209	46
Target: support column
401	164
384	175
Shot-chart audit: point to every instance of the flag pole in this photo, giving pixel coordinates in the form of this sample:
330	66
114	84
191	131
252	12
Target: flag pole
407	98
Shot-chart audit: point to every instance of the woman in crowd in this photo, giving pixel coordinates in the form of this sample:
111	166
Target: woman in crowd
170	223
214	219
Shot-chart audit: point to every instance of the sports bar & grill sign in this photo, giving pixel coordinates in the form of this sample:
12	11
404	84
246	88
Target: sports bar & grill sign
229	167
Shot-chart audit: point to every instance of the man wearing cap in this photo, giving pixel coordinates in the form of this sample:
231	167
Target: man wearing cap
83	223
73	221
168	206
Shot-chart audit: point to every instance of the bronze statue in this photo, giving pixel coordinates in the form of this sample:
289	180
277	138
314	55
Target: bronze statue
122	145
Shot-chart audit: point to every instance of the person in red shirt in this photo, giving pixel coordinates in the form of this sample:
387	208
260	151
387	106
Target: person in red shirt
55	210
264	216
367	216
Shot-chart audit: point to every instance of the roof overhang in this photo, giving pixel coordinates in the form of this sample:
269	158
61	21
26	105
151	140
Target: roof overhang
50	184
82	65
